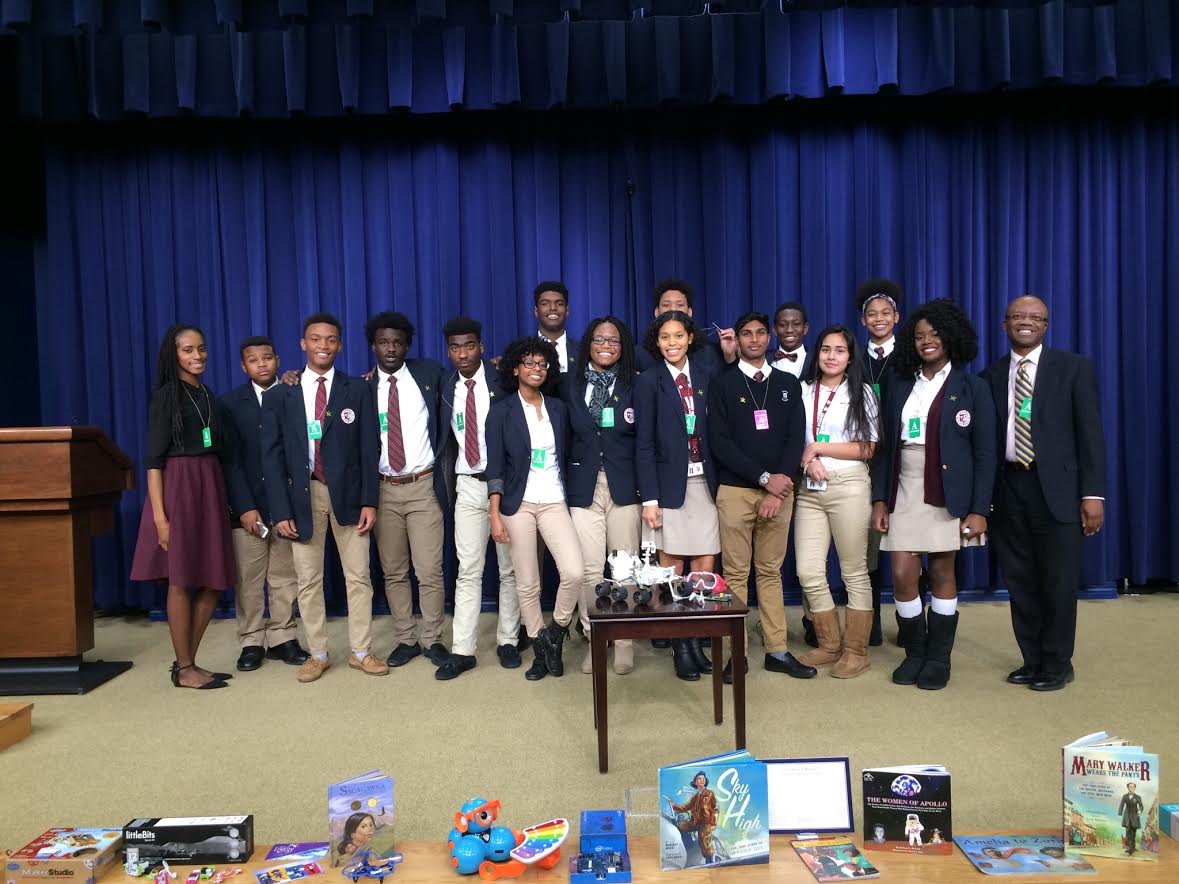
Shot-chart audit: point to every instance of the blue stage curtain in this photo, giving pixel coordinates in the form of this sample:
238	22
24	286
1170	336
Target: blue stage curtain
228	59
245	232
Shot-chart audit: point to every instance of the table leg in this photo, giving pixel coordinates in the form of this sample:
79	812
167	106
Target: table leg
718	666
738	639
598	652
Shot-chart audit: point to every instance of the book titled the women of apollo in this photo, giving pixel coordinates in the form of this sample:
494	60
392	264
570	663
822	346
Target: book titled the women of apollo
714	811
907	810
1111	798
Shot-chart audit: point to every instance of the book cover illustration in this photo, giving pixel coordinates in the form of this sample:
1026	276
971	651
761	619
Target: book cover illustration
834	859
298	852
907	810
1021	855
360	816
714	811
1111	798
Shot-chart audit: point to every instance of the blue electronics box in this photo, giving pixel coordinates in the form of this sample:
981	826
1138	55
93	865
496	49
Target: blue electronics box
603	856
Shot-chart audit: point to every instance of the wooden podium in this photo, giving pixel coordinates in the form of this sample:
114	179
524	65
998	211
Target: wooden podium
58	487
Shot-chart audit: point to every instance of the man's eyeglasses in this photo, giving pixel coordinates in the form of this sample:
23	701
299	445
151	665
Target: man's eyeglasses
599	341
534	366
1029	317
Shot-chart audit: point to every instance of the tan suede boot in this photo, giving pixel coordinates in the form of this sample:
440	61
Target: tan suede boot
855	644
827	629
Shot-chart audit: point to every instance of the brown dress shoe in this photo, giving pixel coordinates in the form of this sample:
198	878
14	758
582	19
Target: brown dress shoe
370	665
312	669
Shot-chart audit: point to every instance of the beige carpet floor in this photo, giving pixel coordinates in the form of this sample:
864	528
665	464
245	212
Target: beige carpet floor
270	746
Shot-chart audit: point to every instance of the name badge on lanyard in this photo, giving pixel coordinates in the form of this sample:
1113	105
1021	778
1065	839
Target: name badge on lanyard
1025	408
607	417
460	422
914	427
690	423
761	419
695	469
314	430
384	415
539	457
823	437
207	437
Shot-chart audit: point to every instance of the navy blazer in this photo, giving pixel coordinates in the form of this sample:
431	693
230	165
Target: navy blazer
429	376
244	479
509	449
1066	429
593	447
967	440
350	449
661	442
448	444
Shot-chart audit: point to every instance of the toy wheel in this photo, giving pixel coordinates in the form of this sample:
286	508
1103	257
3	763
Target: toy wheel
618	593
602	589
642	595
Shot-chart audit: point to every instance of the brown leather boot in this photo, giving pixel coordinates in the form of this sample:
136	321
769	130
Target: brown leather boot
855	644
827	631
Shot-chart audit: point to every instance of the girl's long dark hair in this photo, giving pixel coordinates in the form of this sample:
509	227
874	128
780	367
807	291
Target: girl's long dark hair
168	377
626	360
860	419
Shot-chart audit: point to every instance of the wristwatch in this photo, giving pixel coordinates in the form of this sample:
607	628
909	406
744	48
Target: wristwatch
763	480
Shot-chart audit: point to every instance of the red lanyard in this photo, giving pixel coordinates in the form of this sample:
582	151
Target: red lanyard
817	416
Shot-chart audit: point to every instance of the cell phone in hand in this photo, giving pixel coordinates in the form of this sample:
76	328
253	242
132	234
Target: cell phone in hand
263	531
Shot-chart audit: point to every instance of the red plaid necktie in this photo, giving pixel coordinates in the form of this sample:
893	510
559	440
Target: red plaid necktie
758	377
320	407
879	352
782	354
471	428
393	422
685	389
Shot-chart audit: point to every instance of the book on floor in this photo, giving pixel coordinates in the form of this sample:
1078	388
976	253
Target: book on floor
714	811
1021	855
1110	793
834	859
360	816
907	809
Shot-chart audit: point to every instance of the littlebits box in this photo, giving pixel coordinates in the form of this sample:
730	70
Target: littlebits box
197	840
1169	820
79	856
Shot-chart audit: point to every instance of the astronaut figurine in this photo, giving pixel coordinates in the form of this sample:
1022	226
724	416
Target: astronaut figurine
913	829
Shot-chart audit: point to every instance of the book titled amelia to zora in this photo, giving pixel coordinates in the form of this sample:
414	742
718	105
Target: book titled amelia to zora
714	811
1111	798
360	816
907	810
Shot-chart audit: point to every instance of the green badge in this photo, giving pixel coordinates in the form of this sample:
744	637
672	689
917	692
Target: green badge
459	423
607	417
876	390
1025	408
823	437
690	423
914	427
314	430
207	437
539	456
384	421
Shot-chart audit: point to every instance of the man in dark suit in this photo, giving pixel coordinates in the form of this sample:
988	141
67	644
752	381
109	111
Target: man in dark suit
262	557
407	397
1050	491
677	294
320	448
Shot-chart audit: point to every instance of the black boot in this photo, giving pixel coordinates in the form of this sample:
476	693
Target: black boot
685	662
538	669
549	644
875	637
727	675
808	631
703	664
900	637
939	642
912	639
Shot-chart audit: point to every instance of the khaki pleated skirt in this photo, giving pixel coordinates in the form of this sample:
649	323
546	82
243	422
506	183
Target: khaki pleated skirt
915	526
692	529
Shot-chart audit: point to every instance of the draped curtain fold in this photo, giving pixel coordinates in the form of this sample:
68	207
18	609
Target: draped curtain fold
246	229
355	63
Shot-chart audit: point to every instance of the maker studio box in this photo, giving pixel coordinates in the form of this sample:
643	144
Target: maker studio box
1169	820
78	856
197	840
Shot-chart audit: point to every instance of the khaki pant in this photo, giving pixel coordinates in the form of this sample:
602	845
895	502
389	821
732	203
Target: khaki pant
264	562
842	512
308	557
552	522
749	542
409	525
602	526
472	528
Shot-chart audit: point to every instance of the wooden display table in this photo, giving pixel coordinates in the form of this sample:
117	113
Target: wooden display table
427	862
664	618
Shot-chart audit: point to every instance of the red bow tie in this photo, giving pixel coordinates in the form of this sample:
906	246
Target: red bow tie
782	354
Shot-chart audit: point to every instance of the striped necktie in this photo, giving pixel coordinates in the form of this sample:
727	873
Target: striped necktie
1025	452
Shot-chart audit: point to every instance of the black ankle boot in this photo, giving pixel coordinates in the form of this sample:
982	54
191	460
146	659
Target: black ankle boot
808	632
939	643
875	637
685	663
538	669
550	644
912	639
703	664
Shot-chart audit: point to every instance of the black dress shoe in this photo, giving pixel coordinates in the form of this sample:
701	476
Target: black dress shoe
727	675
1023	675
290	652
454	666
661	644
685	663
403	653
790	666
1052	681
509	656
250	658
808	632
538	669
437	654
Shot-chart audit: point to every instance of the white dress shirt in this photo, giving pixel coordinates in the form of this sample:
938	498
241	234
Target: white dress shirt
309	381
258	391
919	402
795	367
482	404
415	427
562	349
544	485
1033	359
888	346
750	370
834	423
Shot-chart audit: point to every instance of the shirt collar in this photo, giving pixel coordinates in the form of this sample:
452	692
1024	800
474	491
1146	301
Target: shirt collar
258	391
479	377
1033	357
402	374
750	370
943	372
559	343
309	377
887	345
676	372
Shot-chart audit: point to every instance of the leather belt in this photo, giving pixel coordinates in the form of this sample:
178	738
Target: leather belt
482	477
406	480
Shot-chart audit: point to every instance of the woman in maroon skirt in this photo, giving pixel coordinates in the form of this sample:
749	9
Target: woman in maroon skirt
184	537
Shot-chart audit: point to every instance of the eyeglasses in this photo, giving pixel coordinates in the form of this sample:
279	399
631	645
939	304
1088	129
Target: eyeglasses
1029	317
599	341
534	366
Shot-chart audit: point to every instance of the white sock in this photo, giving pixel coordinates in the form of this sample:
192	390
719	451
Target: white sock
945	607
360	655
321	656
909	609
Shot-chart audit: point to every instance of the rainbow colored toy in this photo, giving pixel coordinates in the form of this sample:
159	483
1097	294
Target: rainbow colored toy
477	845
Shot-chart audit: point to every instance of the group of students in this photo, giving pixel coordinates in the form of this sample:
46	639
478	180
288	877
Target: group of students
705	448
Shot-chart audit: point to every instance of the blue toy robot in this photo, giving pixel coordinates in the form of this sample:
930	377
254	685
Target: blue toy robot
475	840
